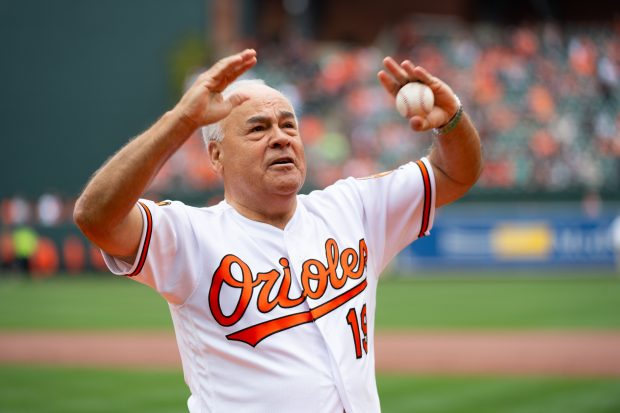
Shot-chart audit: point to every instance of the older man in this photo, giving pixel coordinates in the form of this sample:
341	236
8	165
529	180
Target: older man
272	293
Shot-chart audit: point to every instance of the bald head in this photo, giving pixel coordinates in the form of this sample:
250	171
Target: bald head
255	89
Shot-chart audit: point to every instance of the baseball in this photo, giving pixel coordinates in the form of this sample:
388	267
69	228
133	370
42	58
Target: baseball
415	99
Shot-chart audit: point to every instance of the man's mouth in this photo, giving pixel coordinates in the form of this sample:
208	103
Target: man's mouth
285	160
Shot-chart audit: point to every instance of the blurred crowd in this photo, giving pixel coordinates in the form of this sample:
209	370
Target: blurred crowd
38	237
545	98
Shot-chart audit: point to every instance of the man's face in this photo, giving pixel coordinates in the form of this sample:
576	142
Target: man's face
261	153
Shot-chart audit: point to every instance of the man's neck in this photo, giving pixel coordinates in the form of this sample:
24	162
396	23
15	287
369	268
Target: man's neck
276	213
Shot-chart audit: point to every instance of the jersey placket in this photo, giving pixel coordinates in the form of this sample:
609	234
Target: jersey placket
297	254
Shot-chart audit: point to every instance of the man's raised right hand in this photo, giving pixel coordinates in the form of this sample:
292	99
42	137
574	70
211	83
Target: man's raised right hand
203	103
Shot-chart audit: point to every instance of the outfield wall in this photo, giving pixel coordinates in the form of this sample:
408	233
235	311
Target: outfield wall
514	236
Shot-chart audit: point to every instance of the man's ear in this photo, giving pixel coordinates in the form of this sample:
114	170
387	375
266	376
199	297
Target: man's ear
215	155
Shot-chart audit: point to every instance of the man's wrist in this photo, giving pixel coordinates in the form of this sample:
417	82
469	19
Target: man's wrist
452	123
183	120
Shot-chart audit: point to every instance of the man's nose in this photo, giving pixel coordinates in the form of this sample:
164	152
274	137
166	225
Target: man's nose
280	138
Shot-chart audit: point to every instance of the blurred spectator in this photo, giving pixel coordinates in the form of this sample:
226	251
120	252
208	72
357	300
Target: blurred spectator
582	55
45	260
74	254
16	211
7	250
25	243
49	209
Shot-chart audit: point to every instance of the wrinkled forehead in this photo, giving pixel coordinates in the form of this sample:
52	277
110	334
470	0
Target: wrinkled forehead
264	100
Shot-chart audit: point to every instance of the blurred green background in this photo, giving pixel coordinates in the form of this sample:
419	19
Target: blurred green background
79	80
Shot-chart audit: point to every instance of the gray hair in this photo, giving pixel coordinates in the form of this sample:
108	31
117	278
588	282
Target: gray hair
214	132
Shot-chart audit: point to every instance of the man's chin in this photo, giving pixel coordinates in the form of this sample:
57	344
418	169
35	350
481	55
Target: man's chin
285	187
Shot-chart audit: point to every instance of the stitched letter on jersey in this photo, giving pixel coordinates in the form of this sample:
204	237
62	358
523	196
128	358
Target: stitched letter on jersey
352	264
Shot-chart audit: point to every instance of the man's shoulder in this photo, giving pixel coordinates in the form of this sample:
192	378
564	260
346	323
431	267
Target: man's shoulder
176	207
340	185
338	195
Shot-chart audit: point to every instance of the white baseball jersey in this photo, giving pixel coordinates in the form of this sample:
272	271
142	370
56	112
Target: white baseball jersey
271	320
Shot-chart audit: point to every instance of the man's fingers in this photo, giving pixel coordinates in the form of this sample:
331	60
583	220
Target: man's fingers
230	62
435	119
226	70
243	67
395	70
222	77
409	68
388	82
237	98
235	64
397	75
411	71
419	123
420	73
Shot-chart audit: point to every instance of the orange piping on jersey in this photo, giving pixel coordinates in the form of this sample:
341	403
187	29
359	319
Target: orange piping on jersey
428	196
147	240
256	333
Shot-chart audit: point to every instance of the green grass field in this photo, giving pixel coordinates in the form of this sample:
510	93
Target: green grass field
85	302
446	302
509	302
72	390
109	302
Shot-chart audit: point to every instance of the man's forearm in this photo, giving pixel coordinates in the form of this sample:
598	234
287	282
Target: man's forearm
116	186
457	155
106	212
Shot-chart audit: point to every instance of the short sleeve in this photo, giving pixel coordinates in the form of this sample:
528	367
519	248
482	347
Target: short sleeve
162	261
399	207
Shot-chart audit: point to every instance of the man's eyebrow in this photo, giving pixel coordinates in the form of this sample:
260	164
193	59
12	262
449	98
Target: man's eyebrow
257	119
283	114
